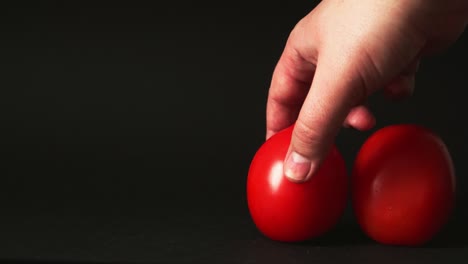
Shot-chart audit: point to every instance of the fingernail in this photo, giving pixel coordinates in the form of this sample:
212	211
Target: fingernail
297	167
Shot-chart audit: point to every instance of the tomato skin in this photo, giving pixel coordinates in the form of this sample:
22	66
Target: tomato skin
403	185
293	212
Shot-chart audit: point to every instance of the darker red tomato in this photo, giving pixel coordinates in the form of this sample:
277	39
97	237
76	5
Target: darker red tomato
403	185
293	212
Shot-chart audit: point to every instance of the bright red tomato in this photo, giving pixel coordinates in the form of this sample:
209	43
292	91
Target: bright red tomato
293	212
403	185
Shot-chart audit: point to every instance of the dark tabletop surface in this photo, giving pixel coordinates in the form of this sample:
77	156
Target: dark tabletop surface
127	130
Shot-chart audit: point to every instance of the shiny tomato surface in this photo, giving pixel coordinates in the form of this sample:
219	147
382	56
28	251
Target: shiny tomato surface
403	185
293	212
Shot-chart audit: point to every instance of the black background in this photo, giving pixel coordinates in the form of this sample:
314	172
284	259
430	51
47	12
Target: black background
126	132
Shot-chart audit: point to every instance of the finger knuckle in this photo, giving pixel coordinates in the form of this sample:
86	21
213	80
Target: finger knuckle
306	136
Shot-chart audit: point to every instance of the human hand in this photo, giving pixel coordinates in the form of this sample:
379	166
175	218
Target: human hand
341	53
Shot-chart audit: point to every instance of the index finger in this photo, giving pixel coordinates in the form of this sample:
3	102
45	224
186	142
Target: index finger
290	84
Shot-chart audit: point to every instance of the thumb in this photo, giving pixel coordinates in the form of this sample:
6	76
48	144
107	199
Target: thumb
336	88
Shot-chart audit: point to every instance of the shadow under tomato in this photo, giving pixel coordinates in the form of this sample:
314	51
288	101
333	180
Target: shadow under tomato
349	233
454	235
344	234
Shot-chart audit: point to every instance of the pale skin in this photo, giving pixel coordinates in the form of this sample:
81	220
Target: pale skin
344	51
